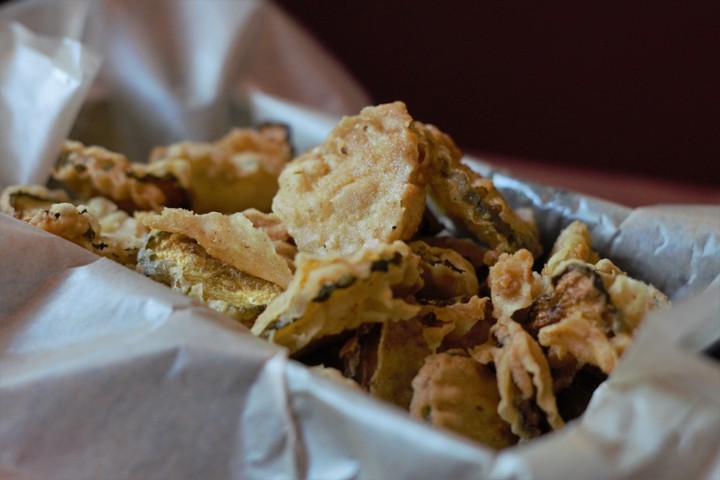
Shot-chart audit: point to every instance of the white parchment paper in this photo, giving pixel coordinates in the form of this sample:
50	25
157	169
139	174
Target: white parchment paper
105	374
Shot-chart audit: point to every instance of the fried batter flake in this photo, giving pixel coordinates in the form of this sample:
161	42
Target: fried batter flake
182	264
513	284
461	324
573	243
454	392
583	338
331	294
277	232
231	238
632	298
473	203
363	187
237	172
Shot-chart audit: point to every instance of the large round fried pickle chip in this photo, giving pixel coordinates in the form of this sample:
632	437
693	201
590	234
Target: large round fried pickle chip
363	187
332	294
473	203
454	392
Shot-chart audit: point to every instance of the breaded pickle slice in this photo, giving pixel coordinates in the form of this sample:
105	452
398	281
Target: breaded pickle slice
453	391
446	274
473	203
363	187
185	266
384	358
331	294
91	171
237	172
22	201
102	230
527	398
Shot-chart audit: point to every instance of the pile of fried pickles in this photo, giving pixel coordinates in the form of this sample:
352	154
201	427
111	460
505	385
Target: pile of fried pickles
378	258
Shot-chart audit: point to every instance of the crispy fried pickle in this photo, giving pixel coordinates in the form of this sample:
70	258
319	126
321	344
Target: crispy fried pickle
97	225
592	307
77	224
231	238
446	274
331	294
91	171
385	358
182	264
454	392
401	351
237	172
363	187
473	203
22	201
527	398
632	298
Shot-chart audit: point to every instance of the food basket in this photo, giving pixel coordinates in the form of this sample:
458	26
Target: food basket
107	374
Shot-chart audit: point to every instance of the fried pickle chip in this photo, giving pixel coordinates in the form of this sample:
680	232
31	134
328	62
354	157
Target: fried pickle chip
182	264
231	238
401	351
592	309
331	294
22	201
473	203
384	358
469	249
462	324
363	187
446	274
97	226
91	171
78	225
593	312
582	338
527	398
632	298
237	172
454	392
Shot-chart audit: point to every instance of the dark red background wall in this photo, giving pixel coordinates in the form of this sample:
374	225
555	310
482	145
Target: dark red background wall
628	86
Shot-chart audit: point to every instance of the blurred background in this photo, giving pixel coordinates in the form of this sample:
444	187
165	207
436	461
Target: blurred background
628	88
613	98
